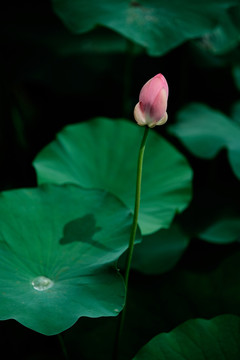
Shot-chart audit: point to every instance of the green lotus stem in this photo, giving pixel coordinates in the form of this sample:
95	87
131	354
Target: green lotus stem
132	239
136	208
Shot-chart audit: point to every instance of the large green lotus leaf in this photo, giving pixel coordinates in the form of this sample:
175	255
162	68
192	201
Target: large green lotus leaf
205	131
159	252
102	153
156	25
58	246
197	339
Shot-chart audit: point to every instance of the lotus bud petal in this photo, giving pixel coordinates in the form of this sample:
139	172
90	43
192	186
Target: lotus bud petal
152	105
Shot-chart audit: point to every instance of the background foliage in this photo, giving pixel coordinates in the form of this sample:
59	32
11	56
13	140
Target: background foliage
64	62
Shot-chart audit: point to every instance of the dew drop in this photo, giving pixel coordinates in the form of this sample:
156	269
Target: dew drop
42	283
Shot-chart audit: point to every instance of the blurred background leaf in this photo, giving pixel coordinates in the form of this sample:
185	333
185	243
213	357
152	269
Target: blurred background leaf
205	131
159	252
156	25
223	231
196	339
236	75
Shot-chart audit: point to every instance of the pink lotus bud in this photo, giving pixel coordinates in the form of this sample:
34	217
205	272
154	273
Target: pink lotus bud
152	105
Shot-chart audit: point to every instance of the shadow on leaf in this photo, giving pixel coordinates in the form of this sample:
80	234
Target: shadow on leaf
83	230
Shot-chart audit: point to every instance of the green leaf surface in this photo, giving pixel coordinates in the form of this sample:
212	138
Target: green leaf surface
159	252
197	339
102	153
156	25
58	247
223	231
205	131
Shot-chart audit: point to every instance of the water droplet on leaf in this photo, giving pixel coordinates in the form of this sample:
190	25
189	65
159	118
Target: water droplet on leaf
42	283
